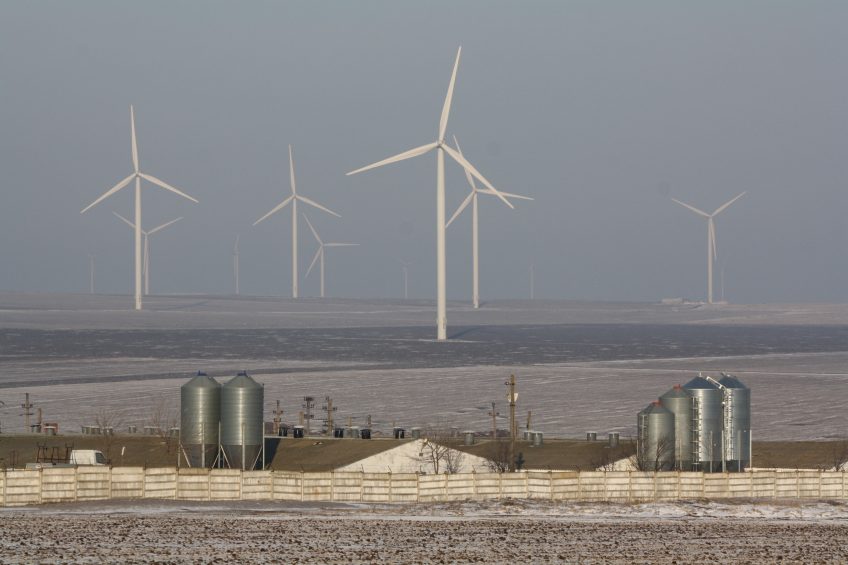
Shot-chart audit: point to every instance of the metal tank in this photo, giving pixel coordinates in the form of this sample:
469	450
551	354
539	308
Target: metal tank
655	433
680	403
242	412
200	414
707	415
737	423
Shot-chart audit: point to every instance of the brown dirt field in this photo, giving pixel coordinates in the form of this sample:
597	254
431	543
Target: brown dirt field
335	534
324	454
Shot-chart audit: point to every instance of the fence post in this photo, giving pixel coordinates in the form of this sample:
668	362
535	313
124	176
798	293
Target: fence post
797	484
40	484
333	486
301	485
551	483
176	483
76	484
391	499
500	485
110	482
579	487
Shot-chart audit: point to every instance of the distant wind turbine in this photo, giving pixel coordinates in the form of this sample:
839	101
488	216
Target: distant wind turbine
147	234
475	246
320	253
137	175
236	264
711	238
405	268
293	199
441	148
91	274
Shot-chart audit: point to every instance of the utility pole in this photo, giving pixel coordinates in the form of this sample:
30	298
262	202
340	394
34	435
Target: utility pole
329	409
308	405
513	397
529	419
27	406
494	414
278	418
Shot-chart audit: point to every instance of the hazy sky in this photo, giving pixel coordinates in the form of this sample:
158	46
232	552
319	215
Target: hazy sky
600	110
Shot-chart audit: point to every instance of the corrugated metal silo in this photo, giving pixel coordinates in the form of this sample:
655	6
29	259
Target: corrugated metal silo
655	433
679	402
200	413
242	411
707	415
737	423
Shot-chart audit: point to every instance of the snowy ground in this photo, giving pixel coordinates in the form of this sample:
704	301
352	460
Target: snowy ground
465	532
580	366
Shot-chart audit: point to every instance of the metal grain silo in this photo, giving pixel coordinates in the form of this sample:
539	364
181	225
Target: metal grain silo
706	423
200	413
679	402
242	412
655	433
737	423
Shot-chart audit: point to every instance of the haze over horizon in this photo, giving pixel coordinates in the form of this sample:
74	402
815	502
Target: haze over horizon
599	111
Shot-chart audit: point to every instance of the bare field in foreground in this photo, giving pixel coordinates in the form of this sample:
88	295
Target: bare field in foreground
505	532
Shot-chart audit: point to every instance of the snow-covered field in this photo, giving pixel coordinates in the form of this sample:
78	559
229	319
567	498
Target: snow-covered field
580	366
463	532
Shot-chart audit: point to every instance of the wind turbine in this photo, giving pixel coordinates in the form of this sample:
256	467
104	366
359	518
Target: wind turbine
320	252
405	268
137	175
441	148
236	264
711	238
293	199
147	235
475	246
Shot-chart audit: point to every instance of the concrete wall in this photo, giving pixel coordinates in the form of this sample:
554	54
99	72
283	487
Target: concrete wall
37	486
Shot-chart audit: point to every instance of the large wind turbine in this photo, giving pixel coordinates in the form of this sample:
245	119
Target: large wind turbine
320	253
475	245
441	148
137	175
711	238
147	234
293	199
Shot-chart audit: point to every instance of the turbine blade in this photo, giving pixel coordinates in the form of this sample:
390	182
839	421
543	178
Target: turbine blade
728	203
163	226
315	204
110	192
462	207
275	209
468	176
126	221
341	244
166	186
507	194
314	260
699	212
470	168
291	171
399	157
134	142
443	122
315	233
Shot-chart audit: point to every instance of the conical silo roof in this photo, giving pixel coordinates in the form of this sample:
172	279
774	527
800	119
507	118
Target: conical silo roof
700	383
732	382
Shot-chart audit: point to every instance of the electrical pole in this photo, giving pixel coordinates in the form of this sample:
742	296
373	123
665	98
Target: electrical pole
512	396
494	414
329	409
278	418
27	406
308	405
529	419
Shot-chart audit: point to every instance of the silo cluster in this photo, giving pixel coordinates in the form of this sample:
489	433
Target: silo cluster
222	425
704	425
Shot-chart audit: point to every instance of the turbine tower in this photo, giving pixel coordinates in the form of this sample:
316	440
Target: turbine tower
441	148
137	175
147	234
405	269
711	238
236	264
320	252
475	245
293	199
